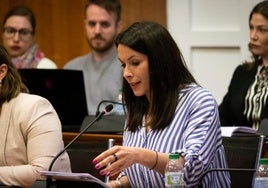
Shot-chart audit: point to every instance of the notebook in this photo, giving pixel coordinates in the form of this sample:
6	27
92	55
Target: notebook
65	90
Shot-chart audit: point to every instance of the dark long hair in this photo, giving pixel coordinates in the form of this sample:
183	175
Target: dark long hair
168	74
12	83
262	9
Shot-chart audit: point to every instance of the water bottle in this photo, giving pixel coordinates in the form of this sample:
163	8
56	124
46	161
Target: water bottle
174	172
118	108
261	176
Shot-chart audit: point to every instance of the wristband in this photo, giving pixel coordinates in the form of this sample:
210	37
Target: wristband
156	160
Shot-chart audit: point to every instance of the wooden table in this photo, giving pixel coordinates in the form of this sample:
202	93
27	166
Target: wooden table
87	137
265	149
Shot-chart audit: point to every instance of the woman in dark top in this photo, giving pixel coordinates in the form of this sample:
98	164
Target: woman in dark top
245	103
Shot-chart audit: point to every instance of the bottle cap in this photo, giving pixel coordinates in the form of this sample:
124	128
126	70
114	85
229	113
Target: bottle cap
263	161
174	156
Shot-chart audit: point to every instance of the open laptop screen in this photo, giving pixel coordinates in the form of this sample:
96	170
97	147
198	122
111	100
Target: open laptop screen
64	89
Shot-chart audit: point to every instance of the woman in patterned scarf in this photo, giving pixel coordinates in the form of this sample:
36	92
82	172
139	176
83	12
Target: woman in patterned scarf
18	39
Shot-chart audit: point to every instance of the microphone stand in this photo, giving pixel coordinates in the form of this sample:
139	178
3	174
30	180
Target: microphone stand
108	108
228	169
224	170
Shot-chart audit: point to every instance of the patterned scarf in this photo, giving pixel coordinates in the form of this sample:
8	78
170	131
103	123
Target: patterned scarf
30	59
257	96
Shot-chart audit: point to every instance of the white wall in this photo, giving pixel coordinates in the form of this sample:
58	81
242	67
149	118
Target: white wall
213	37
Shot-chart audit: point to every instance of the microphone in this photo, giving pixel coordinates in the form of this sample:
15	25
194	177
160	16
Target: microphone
105	101
108	108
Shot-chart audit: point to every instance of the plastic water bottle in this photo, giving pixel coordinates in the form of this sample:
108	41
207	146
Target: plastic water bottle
174	172
118	109
261	176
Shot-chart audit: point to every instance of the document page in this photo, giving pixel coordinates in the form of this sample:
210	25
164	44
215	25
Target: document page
69	176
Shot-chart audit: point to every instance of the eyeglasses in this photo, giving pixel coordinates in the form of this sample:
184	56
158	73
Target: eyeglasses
24	34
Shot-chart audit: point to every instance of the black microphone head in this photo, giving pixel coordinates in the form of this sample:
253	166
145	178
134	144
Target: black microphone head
108	108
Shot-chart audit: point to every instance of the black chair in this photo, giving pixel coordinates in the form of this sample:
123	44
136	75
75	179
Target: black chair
81	155
243	152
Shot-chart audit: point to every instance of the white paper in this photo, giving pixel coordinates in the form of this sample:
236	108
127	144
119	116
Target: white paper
69	176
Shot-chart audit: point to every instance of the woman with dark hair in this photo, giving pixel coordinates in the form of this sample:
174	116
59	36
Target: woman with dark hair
30	130
167	112
245	103
18	38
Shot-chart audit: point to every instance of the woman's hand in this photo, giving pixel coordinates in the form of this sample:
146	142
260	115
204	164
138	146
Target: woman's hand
114	160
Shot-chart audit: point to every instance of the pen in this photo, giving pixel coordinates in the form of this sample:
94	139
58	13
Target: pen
110	144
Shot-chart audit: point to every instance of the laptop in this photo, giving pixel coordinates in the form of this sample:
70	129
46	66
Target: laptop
65	90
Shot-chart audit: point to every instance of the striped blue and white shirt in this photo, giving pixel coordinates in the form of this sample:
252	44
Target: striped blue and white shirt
195	132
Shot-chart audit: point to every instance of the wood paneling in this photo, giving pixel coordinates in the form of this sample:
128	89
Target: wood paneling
60	30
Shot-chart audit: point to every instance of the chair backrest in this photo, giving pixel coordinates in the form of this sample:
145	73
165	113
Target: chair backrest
81	155
243	152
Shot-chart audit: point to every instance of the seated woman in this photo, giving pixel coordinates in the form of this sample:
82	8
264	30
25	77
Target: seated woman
30	130
167	112
245	103
19	40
